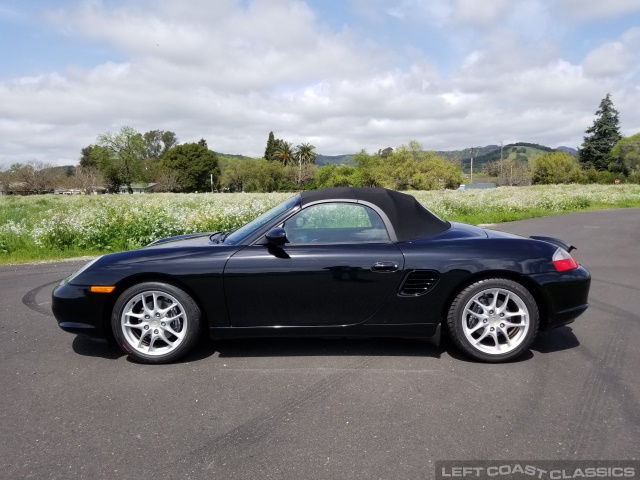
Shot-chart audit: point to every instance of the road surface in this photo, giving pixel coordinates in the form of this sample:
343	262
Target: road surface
324	409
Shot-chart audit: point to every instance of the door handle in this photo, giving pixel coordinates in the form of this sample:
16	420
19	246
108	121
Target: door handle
385	267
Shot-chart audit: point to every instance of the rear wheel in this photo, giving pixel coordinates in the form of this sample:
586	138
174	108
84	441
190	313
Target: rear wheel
156	322
493	320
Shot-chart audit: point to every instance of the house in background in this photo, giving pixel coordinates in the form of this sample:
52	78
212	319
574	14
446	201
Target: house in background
139	188
19	188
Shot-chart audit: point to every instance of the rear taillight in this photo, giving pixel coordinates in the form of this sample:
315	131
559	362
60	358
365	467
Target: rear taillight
563	261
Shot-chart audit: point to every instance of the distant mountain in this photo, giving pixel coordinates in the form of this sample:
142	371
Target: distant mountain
465	153
570	150
521	151
334	159
232	155
321	160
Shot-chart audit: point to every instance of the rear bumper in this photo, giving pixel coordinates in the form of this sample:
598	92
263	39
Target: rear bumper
566	295
79	311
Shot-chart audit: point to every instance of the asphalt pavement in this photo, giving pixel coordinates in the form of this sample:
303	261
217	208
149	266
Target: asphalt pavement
324	409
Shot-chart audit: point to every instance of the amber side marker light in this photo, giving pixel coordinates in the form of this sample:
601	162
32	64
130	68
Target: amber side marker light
102	289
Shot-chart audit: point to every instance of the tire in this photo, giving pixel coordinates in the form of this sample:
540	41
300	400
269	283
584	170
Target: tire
156	322
493	320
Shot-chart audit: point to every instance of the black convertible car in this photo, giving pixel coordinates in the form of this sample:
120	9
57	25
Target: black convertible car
333	262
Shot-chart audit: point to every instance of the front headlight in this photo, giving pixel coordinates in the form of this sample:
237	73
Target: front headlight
74	275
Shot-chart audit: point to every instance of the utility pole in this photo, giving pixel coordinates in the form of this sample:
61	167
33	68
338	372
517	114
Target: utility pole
500	160
472	148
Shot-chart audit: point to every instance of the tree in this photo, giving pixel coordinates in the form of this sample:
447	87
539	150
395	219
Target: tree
102	159
270	150
330	176
232	174
625	155
436	173
304	155
152	144
127	151
410	167
509	172
86	160
34	176
157	143
87	178
284	153
168	181
556	167
262	175
601	137
194	163
298	175
169	140
384	153
252	175
366	167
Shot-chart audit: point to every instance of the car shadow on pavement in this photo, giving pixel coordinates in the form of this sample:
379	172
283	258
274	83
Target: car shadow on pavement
277	347
302	347
455	353
98	348
89	347
555	340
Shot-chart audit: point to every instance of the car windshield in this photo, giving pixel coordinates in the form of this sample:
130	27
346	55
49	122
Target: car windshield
240	234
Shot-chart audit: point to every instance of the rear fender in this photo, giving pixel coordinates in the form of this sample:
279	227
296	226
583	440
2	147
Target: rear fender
555	241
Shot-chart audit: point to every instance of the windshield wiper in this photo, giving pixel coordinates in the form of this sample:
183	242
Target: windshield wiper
224	235
214	234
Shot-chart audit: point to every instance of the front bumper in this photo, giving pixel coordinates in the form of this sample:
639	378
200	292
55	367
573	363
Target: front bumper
566	295
78	310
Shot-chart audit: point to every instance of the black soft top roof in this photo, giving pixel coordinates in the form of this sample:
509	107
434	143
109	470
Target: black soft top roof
409	218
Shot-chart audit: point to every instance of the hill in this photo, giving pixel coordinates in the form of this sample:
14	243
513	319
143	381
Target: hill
570	150
465	154
322	160
231	155
520	151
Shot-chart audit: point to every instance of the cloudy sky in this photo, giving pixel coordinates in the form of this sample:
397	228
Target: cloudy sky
341	74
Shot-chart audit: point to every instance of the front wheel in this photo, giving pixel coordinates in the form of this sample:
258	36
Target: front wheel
493	320
156	322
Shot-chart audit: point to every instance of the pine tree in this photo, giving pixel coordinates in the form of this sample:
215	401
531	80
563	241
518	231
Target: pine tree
270	151
601	137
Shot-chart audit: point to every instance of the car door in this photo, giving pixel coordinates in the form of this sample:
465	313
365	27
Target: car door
338	267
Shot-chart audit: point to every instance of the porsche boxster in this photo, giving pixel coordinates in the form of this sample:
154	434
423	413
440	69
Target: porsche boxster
366	262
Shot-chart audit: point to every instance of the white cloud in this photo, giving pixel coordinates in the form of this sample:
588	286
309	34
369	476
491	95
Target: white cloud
598	9
485	13
230	74
620	57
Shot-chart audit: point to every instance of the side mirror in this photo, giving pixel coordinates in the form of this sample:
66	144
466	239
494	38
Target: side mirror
277	236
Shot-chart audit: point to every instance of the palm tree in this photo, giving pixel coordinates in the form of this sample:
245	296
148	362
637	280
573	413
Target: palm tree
304	154
284	153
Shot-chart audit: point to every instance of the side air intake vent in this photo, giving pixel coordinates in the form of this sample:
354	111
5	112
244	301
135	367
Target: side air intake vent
418	282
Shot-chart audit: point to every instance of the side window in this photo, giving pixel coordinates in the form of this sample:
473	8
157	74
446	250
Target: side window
336	223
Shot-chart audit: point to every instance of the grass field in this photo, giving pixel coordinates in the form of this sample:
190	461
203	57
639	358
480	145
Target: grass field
55	227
